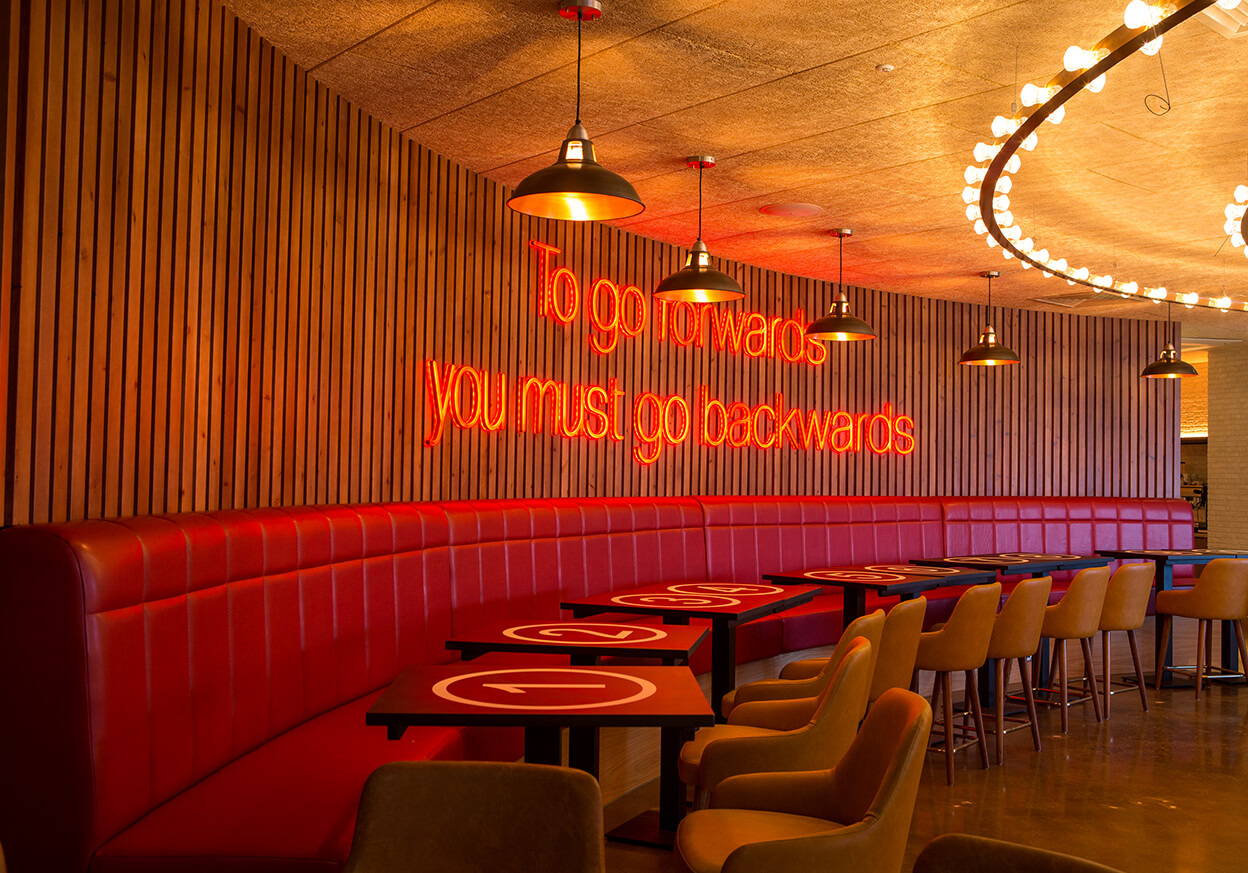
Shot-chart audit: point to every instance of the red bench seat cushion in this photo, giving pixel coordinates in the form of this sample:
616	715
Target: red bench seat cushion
290	804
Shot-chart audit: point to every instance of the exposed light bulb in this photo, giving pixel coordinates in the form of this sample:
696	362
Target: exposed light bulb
1241	194
1034	95
1026	266
1040	256
1013	233
1228	4
1081	273
985	152
1129	287
1190	299
1005	253
1002	126
974	175
970	195
1223	303
1000	203
1077	59
1103	283
1236	239
980	227
1151	48
992	243
972	212
1157	294
1058	114
1142	14
1004	184
1096	84
1025	245
1004	219
1235	210
1059	265
1012	165
1030	142
1230	226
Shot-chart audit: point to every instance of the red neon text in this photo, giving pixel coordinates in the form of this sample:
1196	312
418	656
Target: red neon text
742	333
774	425
463	396
658	420
573	410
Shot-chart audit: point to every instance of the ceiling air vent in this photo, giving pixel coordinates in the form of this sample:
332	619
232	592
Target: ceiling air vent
1228	22
1076	298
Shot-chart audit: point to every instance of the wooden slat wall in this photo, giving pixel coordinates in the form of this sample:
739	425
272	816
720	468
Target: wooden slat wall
221	282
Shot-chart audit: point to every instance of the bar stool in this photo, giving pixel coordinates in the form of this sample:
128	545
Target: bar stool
1076	617
1125	609
1016	636
1221	594
811	682
961	645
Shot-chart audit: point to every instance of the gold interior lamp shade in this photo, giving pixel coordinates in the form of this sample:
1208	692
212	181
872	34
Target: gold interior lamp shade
1169	366
698	282
576	187
988	352
839	326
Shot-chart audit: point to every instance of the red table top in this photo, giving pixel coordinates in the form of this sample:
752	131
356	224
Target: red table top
1018	562
1175	553
885	577
579	637
715	600
461	694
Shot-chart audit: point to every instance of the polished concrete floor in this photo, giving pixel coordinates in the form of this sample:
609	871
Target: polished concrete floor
1162	791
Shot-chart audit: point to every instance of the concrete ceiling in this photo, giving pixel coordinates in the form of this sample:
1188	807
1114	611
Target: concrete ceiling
786	95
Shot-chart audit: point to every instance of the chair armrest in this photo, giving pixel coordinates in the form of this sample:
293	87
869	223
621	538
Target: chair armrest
792	750
801	792
804	669
776	715
776	689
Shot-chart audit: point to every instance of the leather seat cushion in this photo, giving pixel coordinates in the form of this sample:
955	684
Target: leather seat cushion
707	837
290	804
691	752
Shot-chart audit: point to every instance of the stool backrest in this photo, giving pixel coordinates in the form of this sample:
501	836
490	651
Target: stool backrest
962	644
1222	588
1016	632
1078	614
899	643
1126	600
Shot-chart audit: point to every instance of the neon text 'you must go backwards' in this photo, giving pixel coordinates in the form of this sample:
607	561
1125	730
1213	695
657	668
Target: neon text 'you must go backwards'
617	312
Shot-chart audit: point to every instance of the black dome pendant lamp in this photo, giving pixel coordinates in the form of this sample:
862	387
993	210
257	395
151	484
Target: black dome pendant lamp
838	325
576	187
1168	364
697	281
988	352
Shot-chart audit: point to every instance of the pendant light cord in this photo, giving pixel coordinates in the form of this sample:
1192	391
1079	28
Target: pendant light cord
699	200
989	299
840	264
579	14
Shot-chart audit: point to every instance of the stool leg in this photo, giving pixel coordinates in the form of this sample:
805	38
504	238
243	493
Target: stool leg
1239	641
1063	691
1166	621
1105	658
1200	655
1089	673
946	684
1209	648
999	676
972	691
1139	673
1024	667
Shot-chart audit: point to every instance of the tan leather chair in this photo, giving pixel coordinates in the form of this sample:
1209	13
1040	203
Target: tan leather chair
774	735
1221	594
1016	636
855	816
960	645
465	815
789	686
1076	617
899	643
963	853
1125	609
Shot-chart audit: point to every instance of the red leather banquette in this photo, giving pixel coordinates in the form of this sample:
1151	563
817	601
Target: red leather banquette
187	692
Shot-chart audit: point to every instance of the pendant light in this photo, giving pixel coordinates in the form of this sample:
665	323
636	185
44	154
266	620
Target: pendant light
697	281
989	353
576	187
838	325
1168	364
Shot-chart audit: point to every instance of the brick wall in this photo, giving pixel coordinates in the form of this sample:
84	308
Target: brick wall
1228	446
1194	407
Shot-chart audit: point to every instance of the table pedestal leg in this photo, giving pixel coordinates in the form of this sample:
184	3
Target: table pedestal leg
853	605
542	745
1230	651
723	663
658	828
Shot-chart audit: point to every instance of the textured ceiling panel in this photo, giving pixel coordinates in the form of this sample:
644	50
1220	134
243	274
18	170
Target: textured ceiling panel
788	98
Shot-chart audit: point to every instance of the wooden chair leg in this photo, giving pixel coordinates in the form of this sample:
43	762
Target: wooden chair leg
1200	655
1239	641
936	691
1139	673
1089	672
1106	690
1063	691
946	683
999	685
1166	621
1024	667
972	694
1209	648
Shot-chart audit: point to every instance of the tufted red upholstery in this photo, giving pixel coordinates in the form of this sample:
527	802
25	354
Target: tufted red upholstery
192	686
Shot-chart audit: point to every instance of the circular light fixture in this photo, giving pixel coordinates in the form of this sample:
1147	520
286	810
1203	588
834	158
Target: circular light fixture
576	187
988	352
697	281
1168	364
791	210
838	325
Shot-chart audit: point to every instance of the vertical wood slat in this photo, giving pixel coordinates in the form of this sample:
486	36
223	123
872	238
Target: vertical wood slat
222	282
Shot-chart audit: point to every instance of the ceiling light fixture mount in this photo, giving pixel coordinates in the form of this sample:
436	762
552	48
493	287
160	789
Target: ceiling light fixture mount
576	187
988	352
1168	364
838	325
697	281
